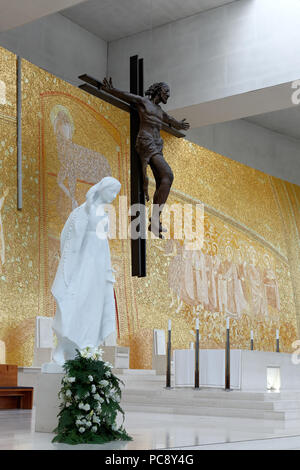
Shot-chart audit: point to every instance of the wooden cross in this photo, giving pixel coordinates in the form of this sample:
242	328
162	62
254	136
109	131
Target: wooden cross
93	86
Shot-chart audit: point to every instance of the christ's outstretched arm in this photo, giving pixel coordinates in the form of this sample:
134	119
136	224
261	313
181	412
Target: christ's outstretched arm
174	123
122	95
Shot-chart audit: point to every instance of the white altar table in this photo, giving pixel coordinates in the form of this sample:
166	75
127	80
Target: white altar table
249	370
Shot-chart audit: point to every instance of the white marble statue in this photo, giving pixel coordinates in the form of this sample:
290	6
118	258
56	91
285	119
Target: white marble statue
83	286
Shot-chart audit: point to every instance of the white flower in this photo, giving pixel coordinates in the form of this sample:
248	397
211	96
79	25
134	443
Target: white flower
88	424
68	393
71	379
91	378
85	354
107	374
98	409
97	396
87	394
92	353
93	388
81	430
96	419
94	429
83	406
68	404
76	397
98	353
108	364
103	383
78	422
114	427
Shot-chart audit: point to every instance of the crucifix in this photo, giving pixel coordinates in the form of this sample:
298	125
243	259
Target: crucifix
147	118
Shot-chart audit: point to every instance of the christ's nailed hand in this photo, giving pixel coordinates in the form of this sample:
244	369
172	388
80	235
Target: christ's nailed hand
107	83
184	125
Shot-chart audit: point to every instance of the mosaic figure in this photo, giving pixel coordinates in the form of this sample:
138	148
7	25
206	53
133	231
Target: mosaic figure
257	288
271	285
76	161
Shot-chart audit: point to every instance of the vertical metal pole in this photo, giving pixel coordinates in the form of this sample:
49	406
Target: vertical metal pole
277	341
19	134
138	247
143	224
252	341
141	77
227	358
168	375
197	359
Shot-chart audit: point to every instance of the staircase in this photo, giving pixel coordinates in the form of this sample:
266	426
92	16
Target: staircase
145	392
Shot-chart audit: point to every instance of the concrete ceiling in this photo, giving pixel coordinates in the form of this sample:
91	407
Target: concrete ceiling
14	13
115	19
285	121
253	105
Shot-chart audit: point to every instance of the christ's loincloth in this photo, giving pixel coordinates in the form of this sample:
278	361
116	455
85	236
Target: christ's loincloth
148	146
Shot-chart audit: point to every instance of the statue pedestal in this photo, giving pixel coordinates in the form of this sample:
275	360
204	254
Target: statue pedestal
47	401
52	368
118	356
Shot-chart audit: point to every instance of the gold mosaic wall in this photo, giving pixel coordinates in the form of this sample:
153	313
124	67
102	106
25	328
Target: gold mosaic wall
18	234
248	267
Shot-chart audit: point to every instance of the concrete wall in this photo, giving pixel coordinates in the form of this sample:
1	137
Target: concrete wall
254	146
233	49
15	12
60	46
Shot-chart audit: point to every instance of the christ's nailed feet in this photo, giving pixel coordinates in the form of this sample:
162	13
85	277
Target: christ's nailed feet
156	228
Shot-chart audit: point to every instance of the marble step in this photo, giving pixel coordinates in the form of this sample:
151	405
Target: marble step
146	399
189	393
135	399
135	372
212	393
286	405
210	411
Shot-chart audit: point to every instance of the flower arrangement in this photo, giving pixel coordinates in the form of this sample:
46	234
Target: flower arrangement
90	401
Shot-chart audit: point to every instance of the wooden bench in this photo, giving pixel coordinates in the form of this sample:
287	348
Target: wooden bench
16	397
12	396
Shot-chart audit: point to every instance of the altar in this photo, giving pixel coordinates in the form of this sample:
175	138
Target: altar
249	370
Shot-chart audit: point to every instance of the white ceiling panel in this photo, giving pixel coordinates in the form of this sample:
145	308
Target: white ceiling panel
115	19
14	13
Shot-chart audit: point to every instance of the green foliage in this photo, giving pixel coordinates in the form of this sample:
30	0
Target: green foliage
90	402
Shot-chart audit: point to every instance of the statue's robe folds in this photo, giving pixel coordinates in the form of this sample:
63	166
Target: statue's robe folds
83	286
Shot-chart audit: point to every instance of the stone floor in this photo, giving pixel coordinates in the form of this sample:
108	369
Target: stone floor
157	431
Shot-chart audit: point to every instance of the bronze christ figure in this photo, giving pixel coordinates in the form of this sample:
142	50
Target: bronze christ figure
149	143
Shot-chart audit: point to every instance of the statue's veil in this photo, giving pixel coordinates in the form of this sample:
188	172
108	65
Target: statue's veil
72	237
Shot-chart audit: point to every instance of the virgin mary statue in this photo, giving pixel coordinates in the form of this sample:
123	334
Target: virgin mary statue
83	286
